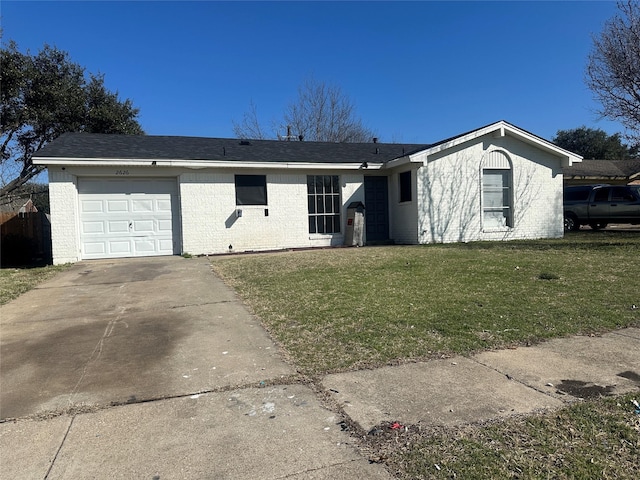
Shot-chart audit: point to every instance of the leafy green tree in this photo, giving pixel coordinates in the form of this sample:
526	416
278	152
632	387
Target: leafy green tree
613	68
594	144
44	96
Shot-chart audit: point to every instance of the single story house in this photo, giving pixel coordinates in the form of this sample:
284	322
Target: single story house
124	196
613	172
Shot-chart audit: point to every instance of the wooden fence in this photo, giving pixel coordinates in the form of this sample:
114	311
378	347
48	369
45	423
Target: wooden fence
25	238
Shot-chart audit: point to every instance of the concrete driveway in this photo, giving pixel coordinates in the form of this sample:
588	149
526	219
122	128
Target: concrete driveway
131	330
152	368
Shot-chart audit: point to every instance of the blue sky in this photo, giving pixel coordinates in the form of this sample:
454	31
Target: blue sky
417	71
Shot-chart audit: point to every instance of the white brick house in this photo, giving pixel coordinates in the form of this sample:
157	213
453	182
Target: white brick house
123	196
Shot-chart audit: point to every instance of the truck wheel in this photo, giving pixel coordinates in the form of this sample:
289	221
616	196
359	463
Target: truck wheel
571	223
598	226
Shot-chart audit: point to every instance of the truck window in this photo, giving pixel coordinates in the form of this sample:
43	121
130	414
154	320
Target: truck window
602	194
580	194
622	194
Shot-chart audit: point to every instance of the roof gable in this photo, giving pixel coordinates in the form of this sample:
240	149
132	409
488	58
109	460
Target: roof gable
499	129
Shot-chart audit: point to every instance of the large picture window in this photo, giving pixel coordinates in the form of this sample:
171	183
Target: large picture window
251	190
496	198
323	198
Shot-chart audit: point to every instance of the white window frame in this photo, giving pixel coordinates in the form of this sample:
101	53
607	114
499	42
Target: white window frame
497	195
497	204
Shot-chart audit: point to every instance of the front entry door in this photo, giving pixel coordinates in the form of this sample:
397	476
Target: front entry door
376	201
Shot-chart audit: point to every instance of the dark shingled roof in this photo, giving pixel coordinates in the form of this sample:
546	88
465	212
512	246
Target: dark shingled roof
603	169
150	147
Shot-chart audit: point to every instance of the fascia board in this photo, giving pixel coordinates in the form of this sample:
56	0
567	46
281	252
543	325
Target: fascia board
400	161
147	162
459	140
568	158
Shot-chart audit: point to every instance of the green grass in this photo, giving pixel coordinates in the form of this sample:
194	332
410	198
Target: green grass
16	281
595	439
341	309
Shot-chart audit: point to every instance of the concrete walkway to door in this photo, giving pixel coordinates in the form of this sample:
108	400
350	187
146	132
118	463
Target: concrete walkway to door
152	368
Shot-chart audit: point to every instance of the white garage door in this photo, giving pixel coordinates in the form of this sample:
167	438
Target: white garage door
128	217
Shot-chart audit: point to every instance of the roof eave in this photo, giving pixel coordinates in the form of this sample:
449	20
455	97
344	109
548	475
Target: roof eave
147	162
596	177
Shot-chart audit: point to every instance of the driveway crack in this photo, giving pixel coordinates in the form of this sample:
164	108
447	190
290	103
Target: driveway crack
55	457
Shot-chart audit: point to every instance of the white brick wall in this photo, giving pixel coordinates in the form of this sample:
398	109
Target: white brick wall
63	200
449	187
210	224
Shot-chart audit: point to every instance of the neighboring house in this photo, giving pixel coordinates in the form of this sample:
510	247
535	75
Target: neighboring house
614	172
123	196
16	206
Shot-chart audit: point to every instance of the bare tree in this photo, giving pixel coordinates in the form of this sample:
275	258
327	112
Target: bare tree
321	113
249	127
613	68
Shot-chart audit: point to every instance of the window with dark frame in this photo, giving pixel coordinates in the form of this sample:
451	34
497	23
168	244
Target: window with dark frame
324	203
251	189
405	186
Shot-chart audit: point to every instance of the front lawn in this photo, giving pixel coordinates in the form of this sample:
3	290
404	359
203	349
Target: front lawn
341	309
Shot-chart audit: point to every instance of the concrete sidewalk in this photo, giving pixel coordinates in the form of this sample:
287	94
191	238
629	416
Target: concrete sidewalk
153	369
491	384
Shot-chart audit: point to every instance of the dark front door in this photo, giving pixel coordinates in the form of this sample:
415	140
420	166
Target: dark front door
376	202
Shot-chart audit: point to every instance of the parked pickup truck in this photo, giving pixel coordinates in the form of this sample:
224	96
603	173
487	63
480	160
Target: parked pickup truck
600	205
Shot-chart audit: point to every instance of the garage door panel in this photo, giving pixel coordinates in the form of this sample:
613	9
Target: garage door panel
164	225
117	227
91	206
164	245
138	205
143	226
98	248
145	246
163	205
119	247
93	228
127	217
117	206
